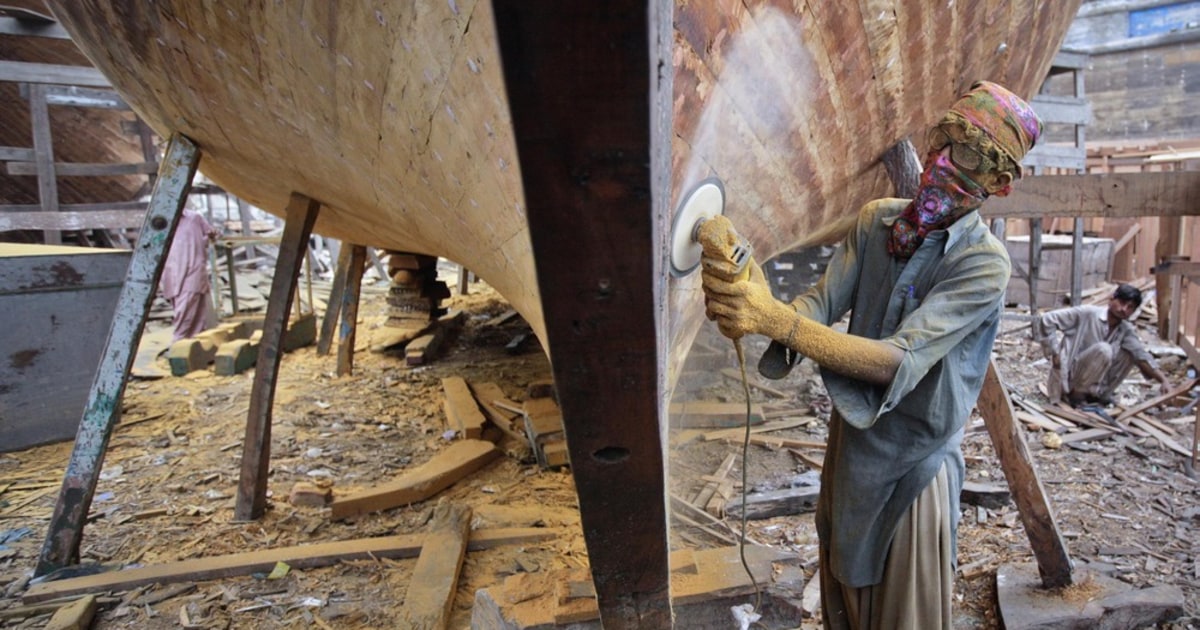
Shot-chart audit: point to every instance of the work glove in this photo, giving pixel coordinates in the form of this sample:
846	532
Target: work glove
744	306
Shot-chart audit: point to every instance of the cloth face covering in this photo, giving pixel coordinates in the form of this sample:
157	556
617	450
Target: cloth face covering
946	194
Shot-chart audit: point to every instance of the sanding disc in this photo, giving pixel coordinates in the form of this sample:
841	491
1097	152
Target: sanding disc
704	202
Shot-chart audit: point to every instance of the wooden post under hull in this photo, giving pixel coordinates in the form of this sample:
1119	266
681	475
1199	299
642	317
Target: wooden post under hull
103	408
256	448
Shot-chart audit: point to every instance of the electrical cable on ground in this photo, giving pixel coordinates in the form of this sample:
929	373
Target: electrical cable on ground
741	357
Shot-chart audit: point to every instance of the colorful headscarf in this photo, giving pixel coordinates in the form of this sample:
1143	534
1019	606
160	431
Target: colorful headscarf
1005	118
994	121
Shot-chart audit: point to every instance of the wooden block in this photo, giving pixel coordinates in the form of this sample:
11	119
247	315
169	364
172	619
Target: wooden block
711	414
308	494
542	417
299	557
421	350
301	332
990	496
575	597
434	580
460	459
556	454
462	412
189	355
235	357
74	616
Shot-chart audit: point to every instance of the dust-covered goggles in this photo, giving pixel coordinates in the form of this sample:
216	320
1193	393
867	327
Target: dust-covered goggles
962	155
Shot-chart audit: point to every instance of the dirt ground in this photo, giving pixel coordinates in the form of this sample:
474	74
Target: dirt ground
1125	506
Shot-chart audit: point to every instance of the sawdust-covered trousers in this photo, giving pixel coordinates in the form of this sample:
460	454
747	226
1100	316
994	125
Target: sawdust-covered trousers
918	577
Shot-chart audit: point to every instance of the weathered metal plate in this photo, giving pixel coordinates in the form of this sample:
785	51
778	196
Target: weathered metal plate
58	304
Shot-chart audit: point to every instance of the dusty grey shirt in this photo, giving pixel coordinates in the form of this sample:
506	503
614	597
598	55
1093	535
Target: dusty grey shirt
942	308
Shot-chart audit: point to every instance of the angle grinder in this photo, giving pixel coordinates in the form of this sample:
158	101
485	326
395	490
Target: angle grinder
695	234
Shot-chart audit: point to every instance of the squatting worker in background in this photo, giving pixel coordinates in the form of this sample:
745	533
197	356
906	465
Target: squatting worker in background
1097	349
924	281
184	281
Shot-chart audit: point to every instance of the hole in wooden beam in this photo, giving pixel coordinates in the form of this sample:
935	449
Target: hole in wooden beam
611	455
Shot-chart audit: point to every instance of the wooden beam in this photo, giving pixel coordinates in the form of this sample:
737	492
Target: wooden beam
60	221
256	454
1189	268
79	207
430	595
16	153
43	155
79	169
245	563
1037	515
458	460
75	96
350	298
104	401
605	182
45	73
1173	193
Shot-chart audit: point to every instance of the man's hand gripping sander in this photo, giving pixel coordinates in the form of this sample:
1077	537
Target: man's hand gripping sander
700	231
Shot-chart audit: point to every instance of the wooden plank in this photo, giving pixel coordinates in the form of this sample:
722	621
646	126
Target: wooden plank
104	402
100	219
350	299
774	425
1037	515
75	96
772	503
1163	439
78	207
245	563
456	461
256	452
713	414
80	169
44	73
430	595
602	305
778	442
16	153
462	411
1157	400
1174	193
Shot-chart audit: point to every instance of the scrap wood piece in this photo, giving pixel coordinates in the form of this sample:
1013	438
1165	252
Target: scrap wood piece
772	503
486	395
1041	421
1088	435
1041	413
710	486
816	463
990	496
435	578
1157	400
298	557
754	383
462	411
460	459
770	441
721	573
739	432
1162	438
708	414
74	616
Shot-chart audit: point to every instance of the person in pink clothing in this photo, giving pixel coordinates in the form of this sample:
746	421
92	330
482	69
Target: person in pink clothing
185	276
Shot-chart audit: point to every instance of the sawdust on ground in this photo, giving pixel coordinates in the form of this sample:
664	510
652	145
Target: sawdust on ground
1125	506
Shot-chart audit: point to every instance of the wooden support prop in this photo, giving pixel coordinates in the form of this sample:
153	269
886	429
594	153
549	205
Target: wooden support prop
458	460
103	408
602	304
256	453
299	557
434	580
349	328
333	305
1037	515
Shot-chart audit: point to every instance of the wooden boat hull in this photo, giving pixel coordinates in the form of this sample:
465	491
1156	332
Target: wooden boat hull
394	115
